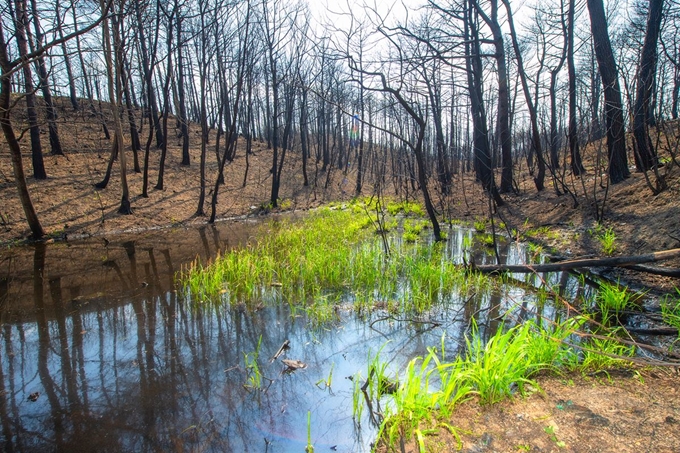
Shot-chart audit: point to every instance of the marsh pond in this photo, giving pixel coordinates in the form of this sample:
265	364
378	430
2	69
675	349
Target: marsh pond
136	343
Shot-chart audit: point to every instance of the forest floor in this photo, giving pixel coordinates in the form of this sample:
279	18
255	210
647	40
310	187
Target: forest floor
623	413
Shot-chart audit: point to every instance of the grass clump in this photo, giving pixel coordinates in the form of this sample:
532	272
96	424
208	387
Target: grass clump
612	300
480	225
406	208
430	388
670	311
330	256
603	353
607	239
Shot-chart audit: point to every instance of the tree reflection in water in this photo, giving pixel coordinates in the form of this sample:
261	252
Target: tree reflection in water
122	363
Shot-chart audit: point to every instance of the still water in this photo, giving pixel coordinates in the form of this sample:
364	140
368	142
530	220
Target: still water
100	353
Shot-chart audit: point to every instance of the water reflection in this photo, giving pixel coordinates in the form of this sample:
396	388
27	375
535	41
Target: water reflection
118	362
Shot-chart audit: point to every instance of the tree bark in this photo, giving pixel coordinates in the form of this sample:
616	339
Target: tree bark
645	156
574	151
37	231
616	138
184	121
539	180
503	96
480	134
148	76
113	69
21	25
41	67
73	96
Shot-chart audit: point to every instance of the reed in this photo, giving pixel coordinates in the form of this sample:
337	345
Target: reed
357	399
310	447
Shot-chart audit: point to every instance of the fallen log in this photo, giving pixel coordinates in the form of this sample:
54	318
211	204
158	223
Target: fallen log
656	270
619	261
654	331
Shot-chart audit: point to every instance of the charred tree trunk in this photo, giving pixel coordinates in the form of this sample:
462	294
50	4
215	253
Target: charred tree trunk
304	134
645	155
539	179
73	96
616	138
112	57
184	121
148	76
503	96
574	151
37	231
21	25
480	134
44	84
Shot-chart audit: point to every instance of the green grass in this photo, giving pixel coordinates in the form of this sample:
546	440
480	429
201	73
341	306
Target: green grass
332	254
430	388
310	447
607	239
670	310
254	380
490	370
604	354
612	300
406	208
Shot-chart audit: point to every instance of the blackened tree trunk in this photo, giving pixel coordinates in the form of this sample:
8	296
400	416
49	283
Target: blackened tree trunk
596	131
539	179
480	133
41	68
304	132
574	151
503	95
231	139
289	97
21	26
112	57
554	73
183	120
148	75
37	231
203	69
271	31
616	138
160	182
86	78
645	155
73	96
443	170
132	122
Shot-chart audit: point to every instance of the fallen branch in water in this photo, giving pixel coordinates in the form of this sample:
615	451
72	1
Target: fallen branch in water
619	261
284	347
